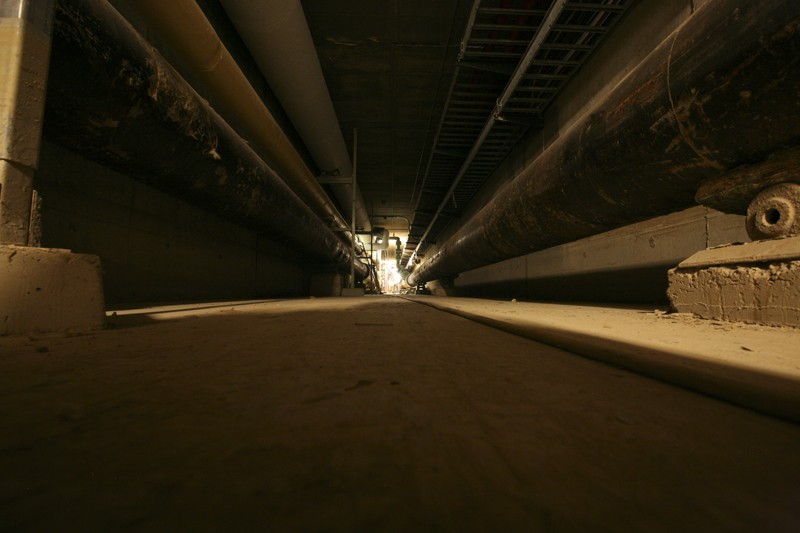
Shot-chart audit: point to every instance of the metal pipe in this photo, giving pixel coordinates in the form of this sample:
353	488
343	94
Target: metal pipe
534	47
115	100
184	27
278	37
719	93
473	14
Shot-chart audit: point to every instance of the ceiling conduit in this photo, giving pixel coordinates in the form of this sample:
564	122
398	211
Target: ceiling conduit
718	94
277	35
533	48
514	59
184	27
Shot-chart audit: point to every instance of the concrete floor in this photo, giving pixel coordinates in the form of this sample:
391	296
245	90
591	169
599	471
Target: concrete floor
371	413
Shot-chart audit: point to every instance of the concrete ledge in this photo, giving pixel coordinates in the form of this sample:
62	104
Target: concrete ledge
742	364
773	250
757	282
49	290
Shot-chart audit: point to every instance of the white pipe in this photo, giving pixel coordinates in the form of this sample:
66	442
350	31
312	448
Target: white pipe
277	35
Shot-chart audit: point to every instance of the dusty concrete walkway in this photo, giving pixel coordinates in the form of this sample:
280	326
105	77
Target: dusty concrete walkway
753	366
372	414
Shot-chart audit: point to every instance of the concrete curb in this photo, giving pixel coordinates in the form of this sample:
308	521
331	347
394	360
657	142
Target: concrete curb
764	392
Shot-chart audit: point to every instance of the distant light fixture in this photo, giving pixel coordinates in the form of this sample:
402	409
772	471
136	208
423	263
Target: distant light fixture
380	237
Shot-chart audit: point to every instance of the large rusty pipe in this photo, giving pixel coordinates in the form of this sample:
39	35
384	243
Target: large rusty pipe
115	100
719	93
184	27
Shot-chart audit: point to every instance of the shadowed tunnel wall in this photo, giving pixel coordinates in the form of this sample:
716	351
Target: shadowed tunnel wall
154	247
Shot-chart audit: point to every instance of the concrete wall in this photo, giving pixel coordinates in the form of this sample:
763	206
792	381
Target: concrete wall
154	247
629	264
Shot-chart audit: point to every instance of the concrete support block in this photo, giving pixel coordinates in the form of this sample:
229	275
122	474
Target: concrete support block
756	282
326	284
49	290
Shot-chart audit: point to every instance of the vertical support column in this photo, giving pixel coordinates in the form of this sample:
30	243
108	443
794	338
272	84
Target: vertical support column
351	289
353	218
41	290
25	37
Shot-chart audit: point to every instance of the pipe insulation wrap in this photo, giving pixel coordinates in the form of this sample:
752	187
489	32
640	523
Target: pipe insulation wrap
115	100
278	37
720	93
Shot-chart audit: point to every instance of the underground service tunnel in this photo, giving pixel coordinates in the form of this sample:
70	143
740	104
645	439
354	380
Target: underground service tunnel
526	265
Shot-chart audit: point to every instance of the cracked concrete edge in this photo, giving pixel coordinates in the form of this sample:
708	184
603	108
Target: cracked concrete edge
760	391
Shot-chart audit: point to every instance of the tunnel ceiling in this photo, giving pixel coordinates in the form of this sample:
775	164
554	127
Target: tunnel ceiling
388	65
420	79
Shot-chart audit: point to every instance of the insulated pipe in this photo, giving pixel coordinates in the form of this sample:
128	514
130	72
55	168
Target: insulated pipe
115	100
719	93
277	35
184	27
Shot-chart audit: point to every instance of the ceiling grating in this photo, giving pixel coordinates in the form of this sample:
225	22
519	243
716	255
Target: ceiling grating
515	57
